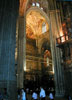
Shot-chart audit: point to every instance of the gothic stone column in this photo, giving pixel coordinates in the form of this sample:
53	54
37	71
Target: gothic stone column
8	16
21	51
56	56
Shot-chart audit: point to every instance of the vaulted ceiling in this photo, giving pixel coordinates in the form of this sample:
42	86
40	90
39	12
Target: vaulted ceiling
34	22
34	19
22	6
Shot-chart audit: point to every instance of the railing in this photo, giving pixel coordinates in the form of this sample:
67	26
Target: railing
63	39
65	42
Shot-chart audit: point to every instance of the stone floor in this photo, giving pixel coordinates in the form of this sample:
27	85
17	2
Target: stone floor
60	99
29	98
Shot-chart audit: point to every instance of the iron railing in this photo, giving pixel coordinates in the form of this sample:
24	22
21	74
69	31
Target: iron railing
63	39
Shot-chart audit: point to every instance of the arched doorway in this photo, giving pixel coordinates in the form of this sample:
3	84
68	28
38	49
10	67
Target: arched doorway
37	30
32	8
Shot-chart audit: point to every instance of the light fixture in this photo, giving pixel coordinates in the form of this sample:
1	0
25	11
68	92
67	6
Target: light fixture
41	8
37	4
33	4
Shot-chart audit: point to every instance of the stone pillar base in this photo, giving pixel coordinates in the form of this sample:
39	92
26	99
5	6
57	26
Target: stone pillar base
11	89
60	95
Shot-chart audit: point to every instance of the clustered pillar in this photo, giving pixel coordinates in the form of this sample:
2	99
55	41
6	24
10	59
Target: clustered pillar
56	55
8	17
21	51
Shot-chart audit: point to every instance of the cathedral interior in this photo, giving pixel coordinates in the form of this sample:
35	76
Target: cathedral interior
36	46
